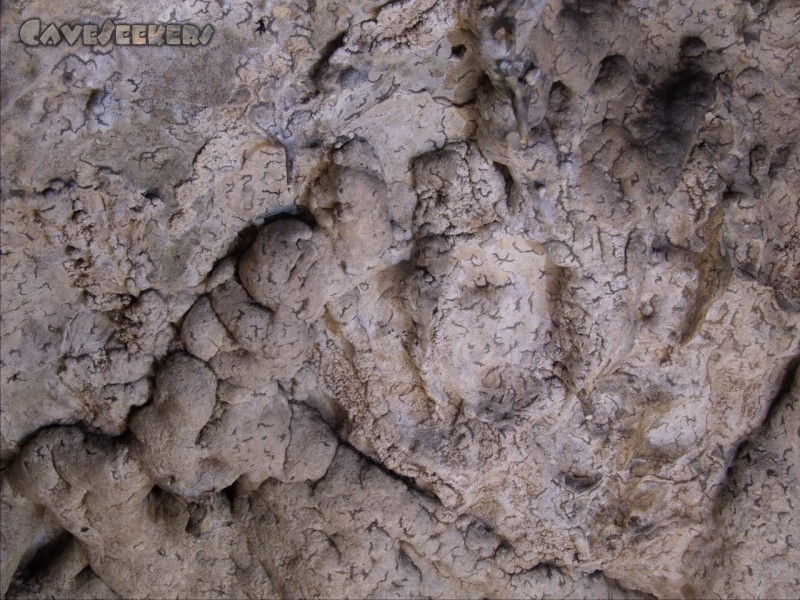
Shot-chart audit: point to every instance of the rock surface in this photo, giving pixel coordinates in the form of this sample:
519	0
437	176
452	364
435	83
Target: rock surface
422	298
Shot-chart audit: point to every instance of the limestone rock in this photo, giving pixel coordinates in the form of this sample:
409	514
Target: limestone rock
425	298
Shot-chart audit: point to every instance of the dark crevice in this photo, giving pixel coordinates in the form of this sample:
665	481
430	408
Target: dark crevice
742	454
673	113
317	70
548	567
297	213
86	573
637	592
458	51
410	482
580	482
43	558
192	168
780	158
230	494
507	177
246	236
152	193
95	100
783	392
743	449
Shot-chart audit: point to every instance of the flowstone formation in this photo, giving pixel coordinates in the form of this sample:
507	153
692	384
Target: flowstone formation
422	298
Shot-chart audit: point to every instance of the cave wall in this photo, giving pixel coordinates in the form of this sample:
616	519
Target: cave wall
426	298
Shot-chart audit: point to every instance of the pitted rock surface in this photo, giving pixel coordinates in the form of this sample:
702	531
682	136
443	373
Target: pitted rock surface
426	298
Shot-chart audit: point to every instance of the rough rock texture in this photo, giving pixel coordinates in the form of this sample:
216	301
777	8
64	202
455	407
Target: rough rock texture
421	298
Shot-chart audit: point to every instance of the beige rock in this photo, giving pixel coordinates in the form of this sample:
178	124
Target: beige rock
415	299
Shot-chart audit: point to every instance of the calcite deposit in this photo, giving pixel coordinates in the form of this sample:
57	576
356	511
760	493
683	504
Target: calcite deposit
414	298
